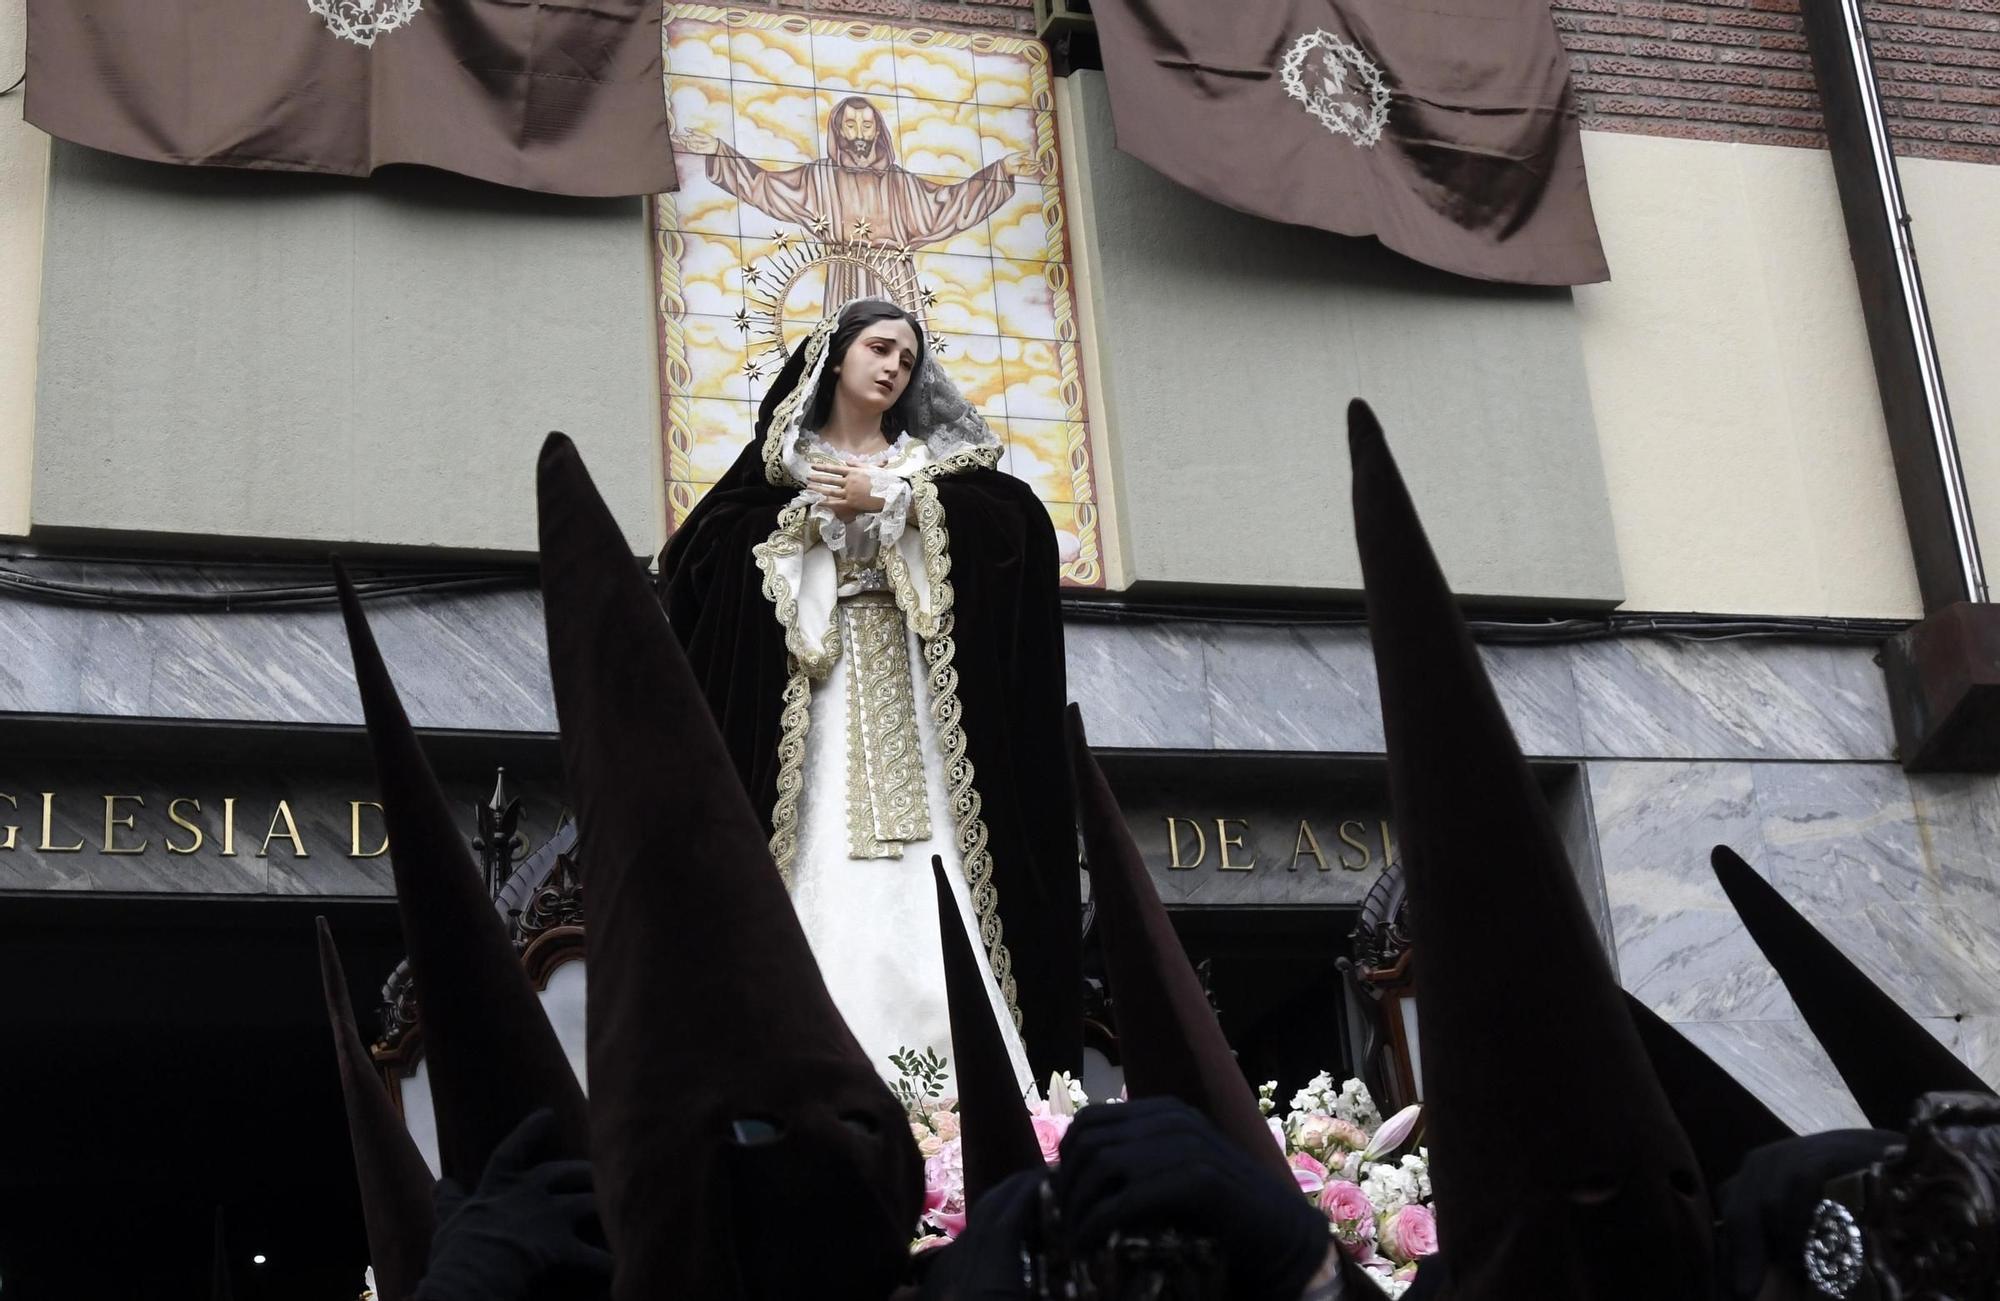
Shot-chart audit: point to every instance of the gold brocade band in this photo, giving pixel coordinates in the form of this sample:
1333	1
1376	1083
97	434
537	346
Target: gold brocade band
887	805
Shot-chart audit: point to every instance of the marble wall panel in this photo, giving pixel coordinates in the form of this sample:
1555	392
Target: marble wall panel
1273	688
1680	945
1784	1065
1140	685
1742	699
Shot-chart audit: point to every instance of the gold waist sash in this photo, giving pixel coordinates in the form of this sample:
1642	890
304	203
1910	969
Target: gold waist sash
887	805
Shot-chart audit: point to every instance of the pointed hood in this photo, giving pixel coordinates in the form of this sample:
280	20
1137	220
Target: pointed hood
395	1183
723	1080
1722	1119
492	1055
219	1286
1885	1057
996	1135
1517	999
1168	1037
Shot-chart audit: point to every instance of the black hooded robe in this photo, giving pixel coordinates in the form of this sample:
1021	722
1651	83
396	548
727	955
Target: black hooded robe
1008	653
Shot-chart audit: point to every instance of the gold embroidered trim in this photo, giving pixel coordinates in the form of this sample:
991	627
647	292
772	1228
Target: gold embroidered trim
781	419
786	542
940	652
887	805
794	720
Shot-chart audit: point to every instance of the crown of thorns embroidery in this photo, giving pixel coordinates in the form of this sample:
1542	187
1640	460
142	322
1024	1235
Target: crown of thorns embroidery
1347	91
361	21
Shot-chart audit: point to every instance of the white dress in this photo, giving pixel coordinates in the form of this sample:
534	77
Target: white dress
874	807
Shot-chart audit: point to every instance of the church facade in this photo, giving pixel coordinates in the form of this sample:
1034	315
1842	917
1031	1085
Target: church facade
1671	501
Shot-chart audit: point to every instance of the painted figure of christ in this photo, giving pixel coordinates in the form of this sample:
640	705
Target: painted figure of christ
860	193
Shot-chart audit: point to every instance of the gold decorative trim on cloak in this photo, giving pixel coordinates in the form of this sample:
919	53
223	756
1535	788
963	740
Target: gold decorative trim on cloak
934	630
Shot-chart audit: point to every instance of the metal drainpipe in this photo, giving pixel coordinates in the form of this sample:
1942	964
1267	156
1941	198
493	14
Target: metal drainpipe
1890	190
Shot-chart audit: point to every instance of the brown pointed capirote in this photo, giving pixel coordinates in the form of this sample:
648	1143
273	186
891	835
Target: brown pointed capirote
996	1136
395	1183
1885	1058
1516	998
1722	1119
219	1286
743	1143
1169	1041
492	1056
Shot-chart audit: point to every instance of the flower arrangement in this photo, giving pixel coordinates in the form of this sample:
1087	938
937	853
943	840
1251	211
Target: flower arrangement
1350	1162
1345	1158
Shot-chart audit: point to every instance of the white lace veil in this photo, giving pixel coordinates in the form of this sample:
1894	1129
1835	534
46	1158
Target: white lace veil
939	415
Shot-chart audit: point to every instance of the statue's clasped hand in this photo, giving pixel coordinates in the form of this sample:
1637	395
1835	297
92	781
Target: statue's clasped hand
847	489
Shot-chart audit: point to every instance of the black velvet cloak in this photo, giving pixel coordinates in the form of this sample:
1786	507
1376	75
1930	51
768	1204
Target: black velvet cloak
1007	635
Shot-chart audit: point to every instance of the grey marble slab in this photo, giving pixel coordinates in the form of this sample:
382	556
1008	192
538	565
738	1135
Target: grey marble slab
1749	699
473	661
1958	820
1140	685
1537	688
1838	837
1976	1039
1934	961
1292	689
1680	945
1782	1064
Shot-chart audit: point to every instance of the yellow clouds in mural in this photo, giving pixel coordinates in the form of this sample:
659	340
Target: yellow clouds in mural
820	159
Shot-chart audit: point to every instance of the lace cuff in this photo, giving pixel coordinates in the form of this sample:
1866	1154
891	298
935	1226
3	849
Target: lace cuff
886	525
831	528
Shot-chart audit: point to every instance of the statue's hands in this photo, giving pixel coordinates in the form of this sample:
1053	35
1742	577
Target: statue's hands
1021	167
695	142
847	489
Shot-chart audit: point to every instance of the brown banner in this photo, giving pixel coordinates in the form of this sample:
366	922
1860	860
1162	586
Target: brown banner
1441	128
543	95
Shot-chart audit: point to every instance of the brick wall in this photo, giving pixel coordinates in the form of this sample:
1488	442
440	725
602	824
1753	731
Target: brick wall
1737	70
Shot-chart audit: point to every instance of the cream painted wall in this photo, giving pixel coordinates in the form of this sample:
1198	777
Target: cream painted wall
24	170
1735	399
1955	221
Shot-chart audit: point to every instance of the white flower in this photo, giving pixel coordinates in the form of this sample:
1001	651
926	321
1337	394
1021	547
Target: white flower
1355	1105
368	1284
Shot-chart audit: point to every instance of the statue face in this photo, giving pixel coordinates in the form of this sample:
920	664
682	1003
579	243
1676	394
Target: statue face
878	365
858	137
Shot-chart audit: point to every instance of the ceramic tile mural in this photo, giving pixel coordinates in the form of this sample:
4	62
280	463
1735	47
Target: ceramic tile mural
821	159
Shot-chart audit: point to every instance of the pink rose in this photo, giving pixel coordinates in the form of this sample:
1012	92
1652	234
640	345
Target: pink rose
1348	1207
947	1124
1049	1131
950	1222
944	1189
1309	1172
1278	1132
1413	1232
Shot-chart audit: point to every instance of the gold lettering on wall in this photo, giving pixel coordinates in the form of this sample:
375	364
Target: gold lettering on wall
354	849
1355	846
1225	842
1308	843
291	832
1174	844
229	826
1388	851
112	822
12	831
174	815
48	845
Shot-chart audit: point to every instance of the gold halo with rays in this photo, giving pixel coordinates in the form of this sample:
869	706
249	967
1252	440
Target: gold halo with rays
769	281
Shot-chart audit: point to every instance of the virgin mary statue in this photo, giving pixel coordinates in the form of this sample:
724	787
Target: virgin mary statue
871	606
